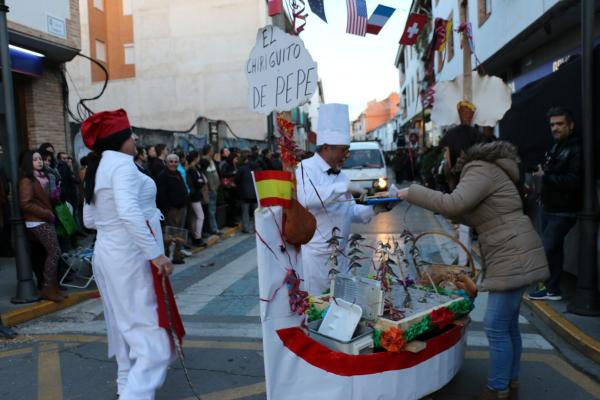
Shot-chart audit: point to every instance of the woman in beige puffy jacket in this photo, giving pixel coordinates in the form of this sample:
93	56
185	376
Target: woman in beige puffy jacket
486	198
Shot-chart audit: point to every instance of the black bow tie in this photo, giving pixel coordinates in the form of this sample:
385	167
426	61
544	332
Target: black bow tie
330	171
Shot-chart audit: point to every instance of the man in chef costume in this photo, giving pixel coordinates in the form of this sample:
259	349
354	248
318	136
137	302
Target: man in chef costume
325	191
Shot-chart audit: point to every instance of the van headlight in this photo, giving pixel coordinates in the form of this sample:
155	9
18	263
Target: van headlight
380	183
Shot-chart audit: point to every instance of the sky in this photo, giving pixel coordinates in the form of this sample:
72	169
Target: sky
355	69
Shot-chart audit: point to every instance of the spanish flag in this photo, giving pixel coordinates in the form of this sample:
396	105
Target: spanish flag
273	188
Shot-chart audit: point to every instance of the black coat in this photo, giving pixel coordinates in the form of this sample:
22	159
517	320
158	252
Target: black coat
244	182
171	191
196	182
69	183
561	183
155	166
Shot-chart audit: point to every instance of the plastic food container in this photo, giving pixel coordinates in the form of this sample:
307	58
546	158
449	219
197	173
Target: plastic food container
360	343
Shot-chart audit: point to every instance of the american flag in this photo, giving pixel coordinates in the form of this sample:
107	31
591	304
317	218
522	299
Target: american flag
357	17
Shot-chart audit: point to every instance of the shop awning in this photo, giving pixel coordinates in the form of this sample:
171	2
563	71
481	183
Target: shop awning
25	61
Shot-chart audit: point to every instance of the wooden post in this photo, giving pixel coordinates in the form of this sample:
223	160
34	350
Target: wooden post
467	78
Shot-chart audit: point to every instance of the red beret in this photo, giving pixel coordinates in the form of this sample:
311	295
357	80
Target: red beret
102	125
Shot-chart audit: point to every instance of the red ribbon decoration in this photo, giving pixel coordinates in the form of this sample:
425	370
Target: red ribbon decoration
441	317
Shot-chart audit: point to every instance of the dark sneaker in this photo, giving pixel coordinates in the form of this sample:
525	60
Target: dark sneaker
544	294
538	295
178	262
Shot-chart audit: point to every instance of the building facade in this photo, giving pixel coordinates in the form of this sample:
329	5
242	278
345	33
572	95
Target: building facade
171	64
43	36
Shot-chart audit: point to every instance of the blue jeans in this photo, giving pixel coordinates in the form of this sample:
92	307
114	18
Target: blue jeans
501	324
212	212
247	212
555	226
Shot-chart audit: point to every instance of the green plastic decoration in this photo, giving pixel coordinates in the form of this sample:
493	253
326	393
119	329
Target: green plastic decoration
418	329
462	307
377	338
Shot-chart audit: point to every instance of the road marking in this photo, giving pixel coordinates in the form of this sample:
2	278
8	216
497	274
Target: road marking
196	296
49	373
557	363
530	340
235	393
255	312
209	344
16	352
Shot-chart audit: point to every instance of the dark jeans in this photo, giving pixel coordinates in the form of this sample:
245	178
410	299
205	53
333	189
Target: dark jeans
555	226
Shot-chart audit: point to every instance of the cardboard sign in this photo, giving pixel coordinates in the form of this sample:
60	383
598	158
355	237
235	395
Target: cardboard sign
280	71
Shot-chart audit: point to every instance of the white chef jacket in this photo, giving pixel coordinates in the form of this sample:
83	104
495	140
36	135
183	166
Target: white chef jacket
124	205
340	211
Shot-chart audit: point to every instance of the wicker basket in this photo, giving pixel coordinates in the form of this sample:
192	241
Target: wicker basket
435	269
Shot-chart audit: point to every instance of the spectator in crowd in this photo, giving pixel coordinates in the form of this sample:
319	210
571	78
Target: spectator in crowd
182	168
68	179
247	193
265	159
399	164
230	191
276	161
224	153
560	196
36	204
172	199
140	159
212	176
151	153
157	164
198	196
52	173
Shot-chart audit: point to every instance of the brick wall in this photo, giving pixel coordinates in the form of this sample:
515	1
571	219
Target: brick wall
45	114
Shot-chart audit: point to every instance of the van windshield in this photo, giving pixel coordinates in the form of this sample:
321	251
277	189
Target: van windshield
364	158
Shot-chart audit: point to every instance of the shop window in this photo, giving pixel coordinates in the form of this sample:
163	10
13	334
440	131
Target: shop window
99	5
129	53
484	10
127	7
100	51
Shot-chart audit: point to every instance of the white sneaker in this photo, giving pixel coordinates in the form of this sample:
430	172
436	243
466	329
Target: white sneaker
186	253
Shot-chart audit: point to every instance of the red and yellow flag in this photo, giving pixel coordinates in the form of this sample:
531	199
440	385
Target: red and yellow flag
273	188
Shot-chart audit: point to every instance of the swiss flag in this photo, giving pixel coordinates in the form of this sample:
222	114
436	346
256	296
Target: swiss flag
275	7
414	26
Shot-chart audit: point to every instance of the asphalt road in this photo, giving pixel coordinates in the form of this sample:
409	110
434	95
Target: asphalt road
63	356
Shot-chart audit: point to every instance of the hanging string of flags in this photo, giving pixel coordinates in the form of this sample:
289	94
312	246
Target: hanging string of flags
357	21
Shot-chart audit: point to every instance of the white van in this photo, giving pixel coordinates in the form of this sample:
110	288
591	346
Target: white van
365	166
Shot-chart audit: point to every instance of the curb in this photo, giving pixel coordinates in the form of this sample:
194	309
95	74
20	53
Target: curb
45	307
214	239
566	329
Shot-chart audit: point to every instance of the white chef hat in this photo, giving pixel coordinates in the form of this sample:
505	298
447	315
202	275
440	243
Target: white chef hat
334	124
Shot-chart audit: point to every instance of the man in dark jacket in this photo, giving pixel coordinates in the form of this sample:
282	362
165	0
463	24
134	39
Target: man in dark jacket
245	185
172	199
560	196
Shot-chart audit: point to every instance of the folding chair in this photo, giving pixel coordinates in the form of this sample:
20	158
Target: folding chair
80	265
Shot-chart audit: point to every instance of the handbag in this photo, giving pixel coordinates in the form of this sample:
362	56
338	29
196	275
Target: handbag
66	222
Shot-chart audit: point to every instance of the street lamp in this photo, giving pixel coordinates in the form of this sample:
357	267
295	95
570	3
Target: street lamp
26	292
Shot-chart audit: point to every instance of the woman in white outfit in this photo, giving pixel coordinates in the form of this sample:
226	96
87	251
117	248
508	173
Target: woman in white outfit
120	205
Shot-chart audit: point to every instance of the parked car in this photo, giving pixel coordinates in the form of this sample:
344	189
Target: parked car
366	166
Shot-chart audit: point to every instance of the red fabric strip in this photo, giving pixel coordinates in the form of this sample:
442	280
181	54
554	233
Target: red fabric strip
275	201
163	319
343	364
272	174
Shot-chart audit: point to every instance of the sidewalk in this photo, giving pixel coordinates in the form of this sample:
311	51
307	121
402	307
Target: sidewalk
13	314
581	332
